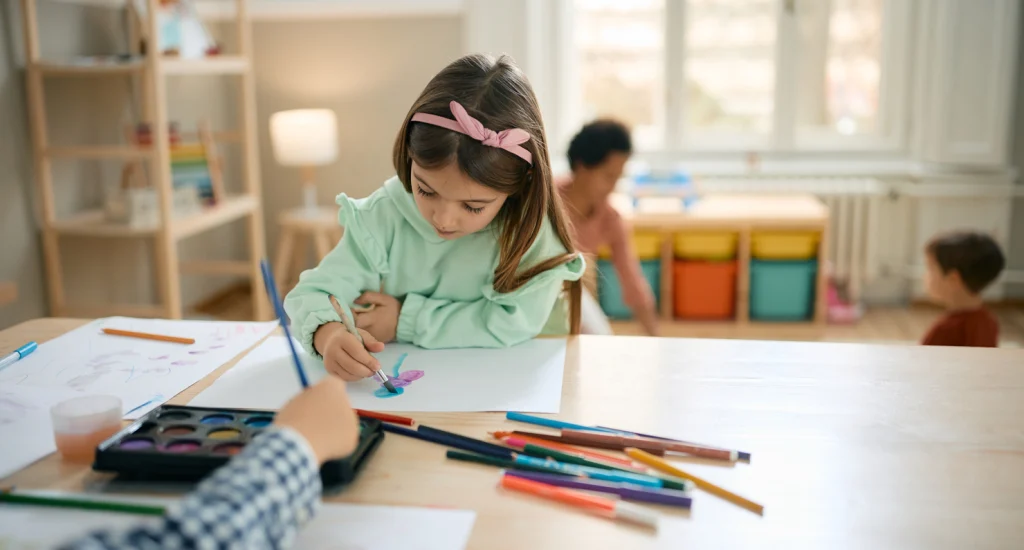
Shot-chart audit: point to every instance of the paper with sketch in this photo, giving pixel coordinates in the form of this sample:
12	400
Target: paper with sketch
140	372
336	527
525	378
25	427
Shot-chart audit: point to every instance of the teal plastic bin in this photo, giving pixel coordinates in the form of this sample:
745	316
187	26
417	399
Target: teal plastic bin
782	290
609	290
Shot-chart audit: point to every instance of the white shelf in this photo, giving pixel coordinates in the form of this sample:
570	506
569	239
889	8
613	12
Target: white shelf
221	64
76	69
92	223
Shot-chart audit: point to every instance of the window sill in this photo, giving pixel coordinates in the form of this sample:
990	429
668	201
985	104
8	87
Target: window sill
288	10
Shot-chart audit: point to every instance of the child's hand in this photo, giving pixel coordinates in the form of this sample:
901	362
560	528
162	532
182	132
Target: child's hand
343	355
382	320
323	415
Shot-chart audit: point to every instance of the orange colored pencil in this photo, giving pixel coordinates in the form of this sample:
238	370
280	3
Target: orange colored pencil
615	509
384	417
147	336
566	448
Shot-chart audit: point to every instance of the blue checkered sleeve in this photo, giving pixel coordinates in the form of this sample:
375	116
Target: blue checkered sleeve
258	500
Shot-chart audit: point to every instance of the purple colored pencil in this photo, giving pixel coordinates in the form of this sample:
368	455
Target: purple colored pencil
448	439
739	454
635	493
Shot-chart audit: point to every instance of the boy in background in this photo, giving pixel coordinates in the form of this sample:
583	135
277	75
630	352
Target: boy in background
960	266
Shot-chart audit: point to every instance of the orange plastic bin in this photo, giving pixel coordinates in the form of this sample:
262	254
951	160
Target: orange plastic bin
704	290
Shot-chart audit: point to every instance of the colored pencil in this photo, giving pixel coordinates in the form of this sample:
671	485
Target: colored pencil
739	454
607	507
581	437
495	449
562	447
626	491
503	463
542	452
444	439
385	417
148	336
704	485
652	448
552	423
587	471
270	285
81	504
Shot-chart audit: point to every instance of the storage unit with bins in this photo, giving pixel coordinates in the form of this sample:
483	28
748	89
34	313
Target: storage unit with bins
729	258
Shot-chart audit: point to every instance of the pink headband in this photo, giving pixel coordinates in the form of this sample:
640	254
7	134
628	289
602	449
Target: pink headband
508	140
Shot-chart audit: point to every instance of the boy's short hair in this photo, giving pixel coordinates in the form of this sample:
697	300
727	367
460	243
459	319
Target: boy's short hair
975	256
595	141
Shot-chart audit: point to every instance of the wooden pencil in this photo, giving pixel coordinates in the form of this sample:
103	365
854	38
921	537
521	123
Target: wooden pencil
702	484
148	336
385	417
81	504
653	447
553	444
581	437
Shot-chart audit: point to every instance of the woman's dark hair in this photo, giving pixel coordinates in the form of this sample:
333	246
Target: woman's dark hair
497	93
595	141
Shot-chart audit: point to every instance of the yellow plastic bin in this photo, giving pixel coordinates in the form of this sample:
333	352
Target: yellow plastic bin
784	245
647	245
714	246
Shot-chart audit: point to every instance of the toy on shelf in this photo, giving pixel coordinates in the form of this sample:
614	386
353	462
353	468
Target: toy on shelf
196	175
182	33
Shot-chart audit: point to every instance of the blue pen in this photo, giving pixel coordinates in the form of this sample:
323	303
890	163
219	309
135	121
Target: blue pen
556	424
586	471
19	353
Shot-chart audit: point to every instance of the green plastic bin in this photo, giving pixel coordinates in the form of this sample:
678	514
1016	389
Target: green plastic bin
609	290
782	290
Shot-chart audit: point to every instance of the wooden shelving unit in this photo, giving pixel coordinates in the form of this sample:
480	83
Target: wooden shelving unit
742	215
152	71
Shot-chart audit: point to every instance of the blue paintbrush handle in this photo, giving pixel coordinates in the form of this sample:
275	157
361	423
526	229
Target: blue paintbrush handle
271	286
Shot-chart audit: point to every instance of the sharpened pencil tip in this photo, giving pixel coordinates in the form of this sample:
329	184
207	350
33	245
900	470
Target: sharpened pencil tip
390	387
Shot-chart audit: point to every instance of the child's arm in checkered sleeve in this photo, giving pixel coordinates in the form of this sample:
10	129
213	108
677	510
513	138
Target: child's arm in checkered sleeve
258	500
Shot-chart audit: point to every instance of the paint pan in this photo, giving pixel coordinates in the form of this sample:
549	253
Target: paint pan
174	443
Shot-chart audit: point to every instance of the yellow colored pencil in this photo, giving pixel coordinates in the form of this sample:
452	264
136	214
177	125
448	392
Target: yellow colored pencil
704	485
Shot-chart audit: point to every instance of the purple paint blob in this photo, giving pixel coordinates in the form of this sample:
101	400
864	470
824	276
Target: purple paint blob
185	362
197	352
136	444
186	446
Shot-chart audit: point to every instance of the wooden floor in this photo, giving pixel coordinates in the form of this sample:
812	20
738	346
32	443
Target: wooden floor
883	325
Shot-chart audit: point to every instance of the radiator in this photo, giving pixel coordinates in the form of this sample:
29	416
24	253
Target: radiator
855	205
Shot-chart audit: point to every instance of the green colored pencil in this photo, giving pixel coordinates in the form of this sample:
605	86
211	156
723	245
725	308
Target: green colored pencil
82	504
499	462
544	452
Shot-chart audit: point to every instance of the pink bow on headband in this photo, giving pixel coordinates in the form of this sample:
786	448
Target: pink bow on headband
508	140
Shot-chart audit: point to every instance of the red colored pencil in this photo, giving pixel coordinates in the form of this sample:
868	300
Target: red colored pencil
384	417
565	448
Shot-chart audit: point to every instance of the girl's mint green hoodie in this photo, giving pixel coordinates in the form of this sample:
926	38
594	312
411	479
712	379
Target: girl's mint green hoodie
448	286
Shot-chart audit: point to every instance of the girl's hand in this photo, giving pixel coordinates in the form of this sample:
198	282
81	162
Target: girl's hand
382	320
343	355
323	415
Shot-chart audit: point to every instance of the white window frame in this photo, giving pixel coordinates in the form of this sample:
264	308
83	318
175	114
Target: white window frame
891	139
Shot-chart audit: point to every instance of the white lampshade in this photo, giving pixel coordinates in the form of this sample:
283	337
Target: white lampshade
304	137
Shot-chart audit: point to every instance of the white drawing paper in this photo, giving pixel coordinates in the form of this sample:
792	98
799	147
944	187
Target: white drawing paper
25	426
143	373
336	527
524	378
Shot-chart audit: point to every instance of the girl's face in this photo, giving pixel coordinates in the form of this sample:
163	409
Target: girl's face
453	203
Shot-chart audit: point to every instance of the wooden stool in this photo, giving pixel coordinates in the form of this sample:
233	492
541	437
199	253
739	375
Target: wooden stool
321	227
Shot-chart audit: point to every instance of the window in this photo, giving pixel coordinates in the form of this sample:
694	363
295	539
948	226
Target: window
740	74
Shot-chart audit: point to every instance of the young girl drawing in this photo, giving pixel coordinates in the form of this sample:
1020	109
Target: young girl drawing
467	242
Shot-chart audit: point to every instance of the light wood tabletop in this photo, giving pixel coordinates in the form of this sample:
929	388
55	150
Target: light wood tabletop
854	446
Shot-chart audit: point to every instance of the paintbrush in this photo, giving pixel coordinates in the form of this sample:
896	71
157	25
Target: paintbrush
349	326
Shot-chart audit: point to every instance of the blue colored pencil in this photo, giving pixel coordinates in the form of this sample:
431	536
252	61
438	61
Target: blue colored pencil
271	286
445	438
556	424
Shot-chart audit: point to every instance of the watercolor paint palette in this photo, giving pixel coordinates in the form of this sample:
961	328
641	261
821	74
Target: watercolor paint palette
178	443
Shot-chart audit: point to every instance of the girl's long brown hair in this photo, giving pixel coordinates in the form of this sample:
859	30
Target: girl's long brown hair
497	93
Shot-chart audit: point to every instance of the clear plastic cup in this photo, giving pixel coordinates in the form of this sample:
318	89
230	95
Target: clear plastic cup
82	423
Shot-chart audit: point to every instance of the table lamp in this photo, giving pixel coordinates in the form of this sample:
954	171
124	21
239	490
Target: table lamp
305	138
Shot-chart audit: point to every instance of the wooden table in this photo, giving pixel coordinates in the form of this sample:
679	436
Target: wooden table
854	446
